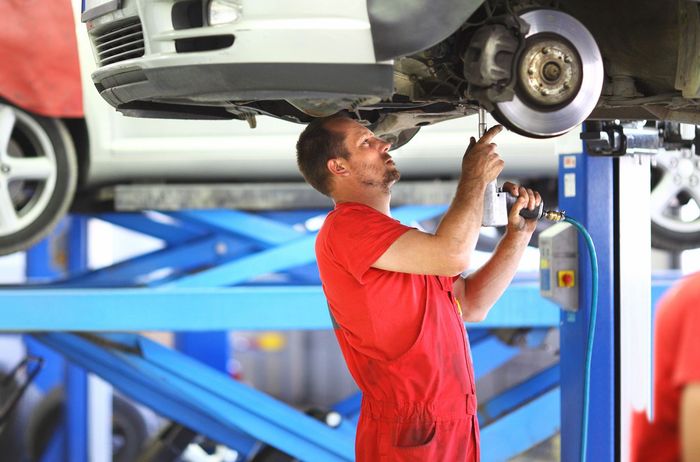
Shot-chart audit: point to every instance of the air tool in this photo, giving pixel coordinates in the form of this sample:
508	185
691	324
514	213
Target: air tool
497	202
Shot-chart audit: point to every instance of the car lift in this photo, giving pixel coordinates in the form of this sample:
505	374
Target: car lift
213	276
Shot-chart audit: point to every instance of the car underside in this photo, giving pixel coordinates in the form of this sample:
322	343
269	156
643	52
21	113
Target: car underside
540	67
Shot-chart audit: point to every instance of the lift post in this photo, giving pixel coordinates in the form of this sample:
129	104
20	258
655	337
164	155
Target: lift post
609	194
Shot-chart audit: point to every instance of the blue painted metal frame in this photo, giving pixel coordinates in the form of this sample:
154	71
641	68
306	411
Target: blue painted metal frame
203	399
592	206
76	406
201	309
525	391
492	353
240	247
518	425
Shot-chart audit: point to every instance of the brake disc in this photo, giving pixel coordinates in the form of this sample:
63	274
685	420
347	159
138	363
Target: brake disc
559	76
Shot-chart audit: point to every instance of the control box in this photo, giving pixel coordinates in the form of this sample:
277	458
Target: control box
559	265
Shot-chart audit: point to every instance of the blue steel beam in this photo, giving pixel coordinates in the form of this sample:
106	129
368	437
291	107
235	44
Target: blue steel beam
293	307
291	254
278	258
350	405
76	416
490	354
523	392
521	429
233	308
168	230
255	227
201	398
143	270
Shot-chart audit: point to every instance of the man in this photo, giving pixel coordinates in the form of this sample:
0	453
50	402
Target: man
396	295
673	433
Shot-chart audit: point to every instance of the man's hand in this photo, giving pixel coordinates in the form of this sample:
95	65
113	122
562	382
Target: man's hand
527	198
481	161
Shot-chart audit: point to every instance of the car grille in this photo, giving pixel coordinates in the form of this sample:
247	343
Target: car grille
119	42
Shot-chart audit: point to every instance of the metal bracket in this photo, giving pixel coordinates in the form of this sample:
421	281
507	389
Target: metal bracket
604	139
612	139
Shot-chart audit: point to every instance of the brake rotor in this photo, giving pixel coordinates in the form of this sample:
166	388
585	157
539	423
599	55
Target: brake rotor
560	77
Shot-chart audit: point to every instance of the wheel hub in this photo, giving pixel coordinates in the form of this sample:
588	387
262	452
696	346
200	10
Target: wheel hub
686	168
559	74
550	72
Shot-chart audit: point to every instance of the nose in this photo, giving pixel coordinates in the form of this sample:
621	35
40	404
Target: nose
385	145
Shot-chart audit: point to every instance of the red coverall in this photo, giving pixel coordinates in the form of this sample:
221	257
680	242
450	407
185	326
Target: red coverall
676	365
404	342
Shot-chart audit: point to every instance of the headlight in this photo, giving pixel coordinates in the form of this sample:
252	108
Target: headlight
224	11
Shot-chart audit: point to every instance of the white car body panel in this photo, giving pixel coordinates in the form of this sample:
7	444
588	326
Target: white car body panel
124	149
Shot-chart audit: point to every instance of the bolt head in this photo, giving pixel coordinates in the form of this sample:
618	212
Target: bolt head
4	168
221	248
530	72
545	50
674	162
567	59
677	179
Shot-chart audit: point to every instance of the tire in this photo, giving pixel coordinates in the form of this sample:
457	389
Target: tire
675	220
11	442
32	200
129	431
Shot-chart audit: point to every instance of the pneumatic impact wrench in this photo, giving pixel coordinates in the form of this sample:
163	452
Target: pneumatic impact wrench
497	202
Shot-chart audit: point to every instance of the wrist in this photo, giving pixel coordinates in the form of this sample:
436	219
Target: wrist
518	234
472	184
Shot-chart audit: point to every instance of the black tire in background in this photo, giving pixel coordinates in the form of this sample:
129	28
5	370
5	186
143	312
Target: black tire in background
129	429
39	203
675	214
11	434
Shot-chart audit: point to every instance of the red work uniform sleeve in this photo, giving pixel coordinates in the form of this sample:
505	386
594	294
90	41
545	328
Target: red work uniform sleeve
359	235
687	366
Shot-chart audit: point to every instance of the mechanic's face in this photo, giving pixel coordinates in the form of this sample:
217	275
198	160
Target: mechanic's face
369	156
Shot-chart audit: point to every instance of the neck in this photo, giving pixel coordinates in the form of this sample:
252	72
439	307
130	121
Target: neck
378	201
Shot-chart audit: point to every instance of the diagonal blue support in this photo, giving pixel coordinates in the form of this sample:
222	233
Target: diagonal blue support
201	398
477	333
490	354
292	217
292	254
350	405
521	393
522	429
172	233
181	258
275	259
260	229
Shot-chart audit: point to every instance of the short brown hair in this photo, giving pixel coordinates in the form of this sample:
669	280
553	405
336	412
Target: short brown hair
316	145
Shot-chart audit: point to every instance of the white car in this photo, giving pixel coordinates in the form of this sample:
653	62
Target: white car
49	162
539	66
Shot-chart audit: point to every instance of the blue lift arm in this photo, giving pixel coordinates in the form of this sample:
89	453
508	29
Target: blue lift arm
200	397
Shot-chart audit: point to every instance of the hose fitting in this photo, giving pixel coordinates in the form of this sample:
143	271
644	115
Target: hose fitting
554	215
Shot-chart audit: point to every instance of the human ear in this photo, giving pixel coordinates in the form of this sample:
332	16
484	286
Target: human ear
337	167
